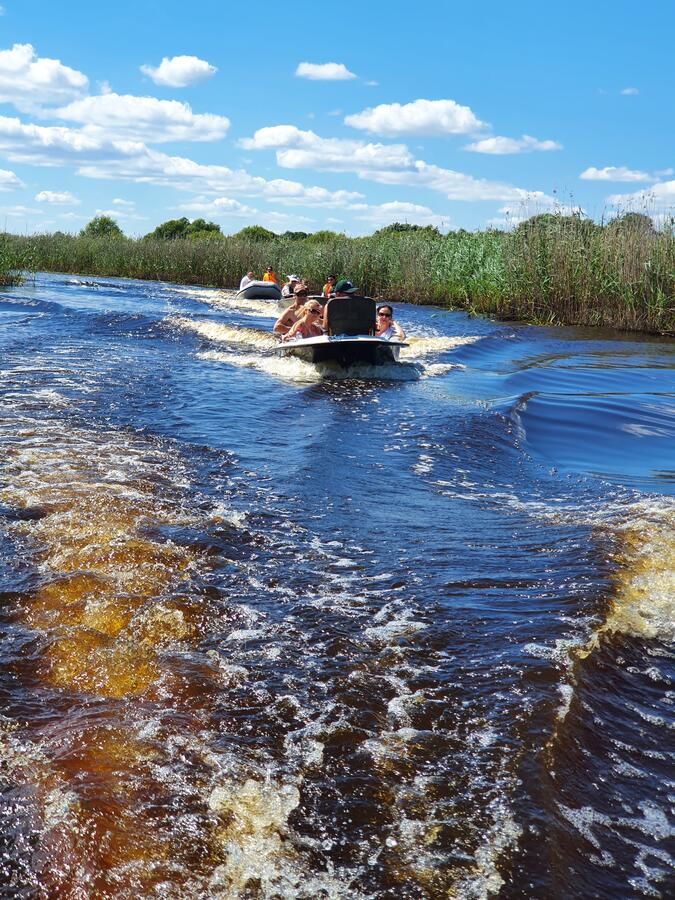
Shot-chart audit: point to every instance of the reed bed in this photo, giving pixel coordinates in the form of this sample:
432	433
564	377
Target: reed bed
551	269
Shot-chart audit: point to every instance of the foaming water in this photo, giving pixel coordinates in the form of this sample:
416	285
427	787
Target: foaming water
279	630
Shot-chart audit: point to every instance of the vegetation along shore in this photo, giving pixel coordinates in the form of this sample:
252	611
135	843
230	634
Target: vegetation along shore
550	269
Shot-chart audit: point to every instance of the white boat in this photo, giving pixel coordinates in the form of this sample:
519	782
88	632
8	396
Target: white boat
260	290
350	339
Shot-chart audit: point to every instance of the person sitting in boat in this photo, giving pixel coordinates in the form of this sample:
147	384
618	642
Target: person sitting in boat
309	324
289	288
385	326
329	286
246	280
270	275
290	316
343	288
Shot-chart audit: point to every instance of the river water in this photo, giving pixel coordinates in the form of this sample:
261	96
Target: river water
271	632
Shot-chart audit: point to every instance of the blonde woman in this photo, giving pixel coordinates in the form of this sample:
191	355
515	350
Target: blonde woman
290	316
309	323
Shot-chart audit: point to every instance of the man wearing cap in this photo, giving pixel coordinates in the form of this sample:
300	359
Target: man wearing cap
289	287
290	316
343	288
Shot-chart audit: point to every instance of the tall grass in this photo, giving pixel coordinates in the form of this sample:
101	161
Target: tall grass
13	261
551	269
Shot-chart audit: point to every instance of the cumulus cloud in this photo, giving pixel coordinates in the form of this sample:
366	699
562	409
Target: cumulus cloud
500	146
179	71
9	181
49	145
422	117
29	82
58	197
398	211
659	198
324	71
629	91
297	149
383	163
118	213
218	207
143	118
532	205
613	173
454	185
20	211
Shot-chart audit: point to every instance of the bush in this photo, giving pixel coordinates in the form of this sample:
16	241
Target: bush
102	226
255	233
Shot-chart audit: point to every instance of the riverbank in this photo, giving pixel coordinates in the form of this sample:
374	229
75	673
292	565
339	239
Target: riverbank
549	270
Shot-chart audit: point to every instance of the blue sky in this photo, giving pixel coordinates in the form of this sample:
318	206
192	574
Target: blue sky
302	116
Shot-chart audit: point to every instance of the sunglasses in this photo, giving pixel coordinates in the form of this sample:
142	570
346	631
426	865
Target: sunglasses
385	315
316	311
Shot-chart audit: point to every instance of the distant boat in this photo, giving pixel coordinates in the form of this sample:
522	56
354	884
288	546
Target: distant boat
260	290
350	340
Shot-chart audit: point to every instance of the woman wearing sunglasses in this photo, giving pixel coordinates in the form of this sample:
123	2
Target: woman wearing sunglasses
385	327
309	324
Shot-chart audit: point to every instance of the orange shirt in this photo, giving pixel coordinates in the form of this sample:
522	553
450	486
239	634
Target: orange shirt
327	288
270	276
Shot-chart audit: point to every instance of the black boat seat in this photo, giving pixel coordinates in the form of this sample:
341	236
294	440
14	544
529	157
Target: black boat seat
350	315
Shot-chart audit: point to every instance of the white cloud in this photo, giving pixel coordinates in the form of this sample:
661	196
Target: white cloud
59	197
19	211
143	118
613	173
398	211
500	146
324	71
120	214
297	149
180	71
455	185
124	204
383	163
630	91
659	198
422	117
141	164
218	207
9	181
533	205
29	82
2	10
47	146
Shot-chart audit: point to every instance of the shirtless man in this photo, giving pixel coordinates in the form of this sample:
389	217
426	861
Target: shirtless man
290	316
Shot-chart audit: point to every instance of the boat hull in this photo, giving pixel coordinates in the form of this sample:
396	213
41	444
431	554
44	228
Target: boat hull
345	350
260	290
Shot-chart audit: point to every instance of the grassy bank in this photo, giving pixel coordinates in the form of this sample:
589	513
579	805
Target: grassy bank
551	269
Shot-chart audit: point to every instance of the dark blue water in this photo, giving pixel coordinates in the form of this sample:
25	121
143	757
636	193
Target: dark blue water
274	630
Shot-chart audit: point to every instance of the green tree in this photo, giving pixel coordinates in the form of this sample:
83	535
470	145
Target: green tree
102	226
634	222
173	229
255	233
170	230
295	235
405	228
321	237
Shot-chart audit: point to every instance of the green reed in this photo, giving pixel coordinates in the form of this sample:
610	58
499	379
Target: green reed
551	269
